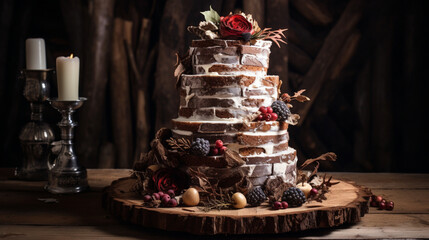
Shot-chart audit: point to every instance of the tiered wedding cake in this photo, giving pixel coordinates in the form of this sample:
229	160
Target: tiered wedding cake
231	135
228	85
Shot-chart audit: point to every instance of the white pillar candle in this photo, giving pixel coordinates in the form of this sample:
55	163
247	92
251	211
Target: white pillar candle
68	78
35	53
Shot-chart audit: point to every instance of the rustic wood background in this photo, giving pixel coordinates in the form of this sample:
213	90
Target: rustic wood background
362	63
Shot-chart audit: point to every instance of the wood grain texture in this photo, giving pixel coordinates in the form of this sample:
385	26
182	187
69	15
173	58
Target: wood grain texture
81	216
314	11
277	12
95	78
398	226
257	9
173	38
317	74
120	94
346	203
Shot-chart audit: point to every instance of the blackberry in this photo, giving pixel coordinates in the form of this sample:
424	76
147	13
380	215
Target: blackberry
200	147
256	196
294	197
281	109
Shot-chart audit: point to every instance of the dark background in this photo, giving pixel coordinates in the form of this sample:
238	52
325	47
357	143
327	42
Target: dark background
363	64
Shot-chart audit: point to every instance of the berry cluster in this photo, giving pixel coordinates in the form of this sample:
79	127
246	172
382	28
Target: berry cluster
267	114
294	196
256	196
381	203
200	147
218	149
280	205
167	198
281	109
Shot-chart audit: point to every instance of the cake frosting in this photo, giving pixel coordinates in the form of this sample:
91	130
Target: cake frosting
229	82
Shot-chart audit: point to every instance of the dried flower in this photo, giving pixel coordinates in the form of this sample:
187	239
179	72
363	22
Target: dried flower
169	178
235	27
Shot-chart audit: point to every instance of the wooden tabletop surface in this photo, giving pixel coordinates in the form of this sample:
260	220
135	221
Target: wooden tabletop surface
81	216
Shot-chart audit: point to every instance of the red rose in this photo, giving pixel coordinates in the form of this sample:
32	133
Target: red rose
169	178
235	27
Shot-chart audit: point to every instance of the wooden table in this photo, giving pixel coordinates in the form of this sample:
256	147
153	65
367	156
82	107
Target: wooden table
81	216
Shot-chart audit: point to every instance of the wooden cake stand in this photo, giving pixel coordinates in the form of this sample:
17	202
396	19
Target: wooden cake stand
346	203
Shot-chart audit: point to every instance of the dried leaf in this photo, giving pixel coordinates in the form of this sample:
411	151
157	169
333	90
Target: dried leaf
302	98
200	181
233	159
183	65
273	35
329	156
274	188
293	119
163	133
141	163
244	185
322	188
210	35
250	118
223	202
161	153
316	181
181	145
298	93
315	169
207	26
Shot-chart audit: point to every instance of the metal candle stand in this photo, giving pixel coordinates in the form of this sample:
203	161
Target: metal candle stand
36	136
66	175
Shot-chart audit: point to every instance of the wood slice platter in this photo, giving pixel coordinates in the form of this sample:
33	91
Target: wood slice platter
346	203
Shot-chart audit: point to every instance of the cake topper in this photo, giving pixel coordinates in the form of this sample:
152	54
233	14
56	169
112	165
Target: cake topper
239	26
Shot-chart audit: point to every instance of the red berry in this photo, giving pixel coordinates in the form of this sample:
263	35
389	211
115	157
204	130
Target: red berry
269	110
171	193
172	203
156	196
147	198
165	199
285	97
382	206
222	150
267	117
274	116
373	204
161	194
263	109
390	205
285	205
219	143
378	199
214	151
260	117
277	205
314	192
